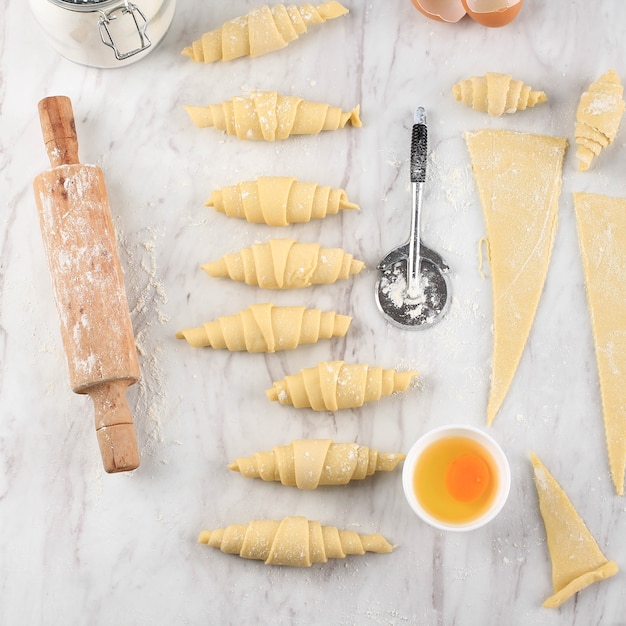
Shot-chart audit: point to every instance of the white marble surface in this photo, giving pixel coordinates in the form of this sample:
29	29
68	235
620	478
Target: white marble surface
81	547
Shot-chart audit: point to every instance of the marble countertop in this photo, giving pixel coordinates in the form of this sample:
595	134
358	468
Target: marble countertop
78	546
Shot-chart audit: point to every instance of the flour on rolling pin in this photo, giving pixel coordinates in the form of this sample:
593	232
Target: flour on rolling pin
88	284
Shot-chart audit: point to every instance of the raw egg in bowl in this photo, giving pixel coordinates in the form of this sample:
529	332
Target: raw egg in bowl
456	478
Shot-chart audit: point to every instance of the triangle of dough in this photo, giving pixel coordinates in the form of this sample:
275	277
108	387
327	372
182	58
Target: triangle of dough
264	115
328	373
497	88
273	197
602	239
577	561
519	177
310	455
263	32
280	249
262	316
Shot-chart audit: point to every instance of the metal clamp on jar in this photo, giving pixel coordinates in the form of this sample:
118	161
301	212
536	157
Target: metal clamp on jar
104	33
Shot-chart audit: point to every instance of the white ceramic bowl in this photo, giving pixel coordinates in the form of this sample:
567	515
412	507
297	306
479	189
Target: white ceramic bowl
456	430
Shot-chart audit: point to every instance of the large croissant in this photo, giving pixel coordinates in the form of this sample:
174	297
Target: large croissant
309	463
497	94
285	264
267	328
334	385
268	116
293	541
264	29
598	117
279	200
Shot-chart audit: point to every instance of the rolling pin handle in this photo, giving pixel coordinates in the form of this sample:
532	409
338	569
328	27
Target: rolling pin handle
114	426
59	130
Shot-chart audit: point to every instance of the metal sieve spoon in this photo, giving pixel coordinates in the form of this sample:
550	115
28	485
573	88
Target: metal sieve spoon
413	290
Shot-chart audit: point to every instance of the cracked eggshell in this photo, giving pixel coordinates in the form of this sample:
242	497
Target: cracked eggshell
492	13
441	10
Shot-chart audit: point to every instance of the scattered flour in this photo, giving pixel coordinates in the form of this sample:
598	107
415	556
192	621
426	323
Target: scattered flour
146	296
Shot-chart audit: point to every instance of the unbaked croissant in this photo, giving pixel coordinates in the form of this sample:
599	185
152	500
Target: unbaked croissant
309	463
267	328
577	560
497	94
285	264
279	200
334	385
598	118
294	541
264	29
268	116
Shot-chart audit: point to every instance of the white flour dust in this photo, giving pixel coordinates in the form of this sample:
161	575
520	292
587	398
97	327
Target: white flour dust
146	297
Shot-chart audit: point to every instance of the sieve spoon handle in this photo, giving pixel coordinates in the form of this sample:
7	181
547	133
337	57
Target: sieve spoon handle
419	150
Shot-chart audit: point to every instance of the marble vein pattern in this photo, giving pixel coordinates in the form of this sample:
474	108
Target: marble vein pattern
81	547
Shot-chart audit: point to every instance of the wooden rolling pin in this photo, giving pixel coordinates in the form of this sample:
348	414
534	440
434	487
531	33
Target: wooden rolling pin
88	284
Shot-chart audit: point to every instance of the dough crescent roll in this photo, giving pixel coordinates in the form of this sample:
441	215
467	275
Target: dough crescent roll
309	463
577	561
497	93
269	116
267	328
262	30
293	541
285	264
334	385
598	117
279	201
519	178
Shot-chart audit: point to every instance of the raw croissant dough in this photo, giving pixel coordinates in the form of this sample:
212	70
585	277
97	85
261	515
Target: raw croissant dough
293	541
577	561
334	385
268	116
598	117
262	30
309	463
602	239
267	328
497	94
518	176
279	201
285	264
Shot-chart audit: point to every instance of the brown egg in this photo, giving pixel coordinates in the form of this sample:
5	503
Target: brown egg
492	13
441	10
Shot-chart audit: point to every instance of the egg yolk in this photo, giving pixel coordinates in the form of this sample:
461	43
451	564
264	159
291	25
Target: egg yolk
467	477
455	479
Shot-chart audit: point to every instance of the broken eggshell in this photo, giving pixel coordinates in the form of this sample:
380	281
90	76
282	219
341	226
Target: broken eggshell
493	13
441	10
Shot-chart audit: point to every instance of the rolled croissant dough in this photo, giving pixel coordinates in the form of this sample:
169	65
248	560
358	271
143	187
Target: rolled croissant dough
577	561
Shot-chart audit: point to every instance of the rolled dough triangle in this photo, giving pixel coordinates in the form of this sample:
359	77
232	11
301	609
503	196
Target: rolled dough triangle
577	561
519	177
601	225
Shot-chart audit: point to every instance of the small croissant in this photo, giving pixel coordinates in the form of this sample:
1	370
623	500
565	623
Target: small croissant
497	94
268	116
309	463
264	29
598	118
285	264
267	328
334	385
279	201
292	541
